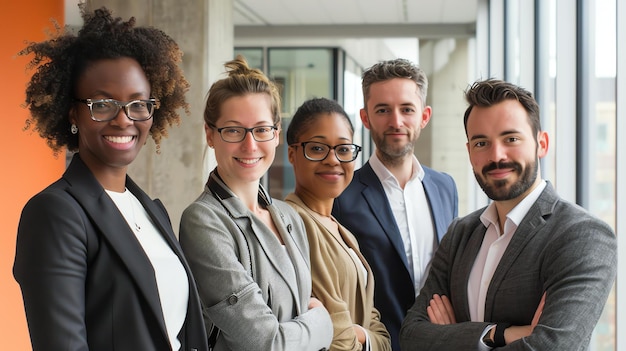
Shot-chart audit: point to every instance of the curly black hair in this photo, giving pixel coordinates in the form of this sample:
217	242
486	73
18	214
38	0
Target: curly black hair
62	59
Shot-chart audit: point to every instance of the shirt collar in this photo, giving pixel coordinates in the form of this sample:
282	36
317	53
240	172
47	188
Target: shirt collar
384	174
490	215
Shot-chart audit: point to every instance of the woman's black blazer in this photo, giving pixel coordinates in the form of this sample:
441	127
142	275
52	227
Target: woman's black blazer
86	282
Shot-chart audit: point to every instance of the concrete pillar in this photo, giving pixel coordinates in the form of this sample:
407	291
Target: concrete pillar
449	79
204	31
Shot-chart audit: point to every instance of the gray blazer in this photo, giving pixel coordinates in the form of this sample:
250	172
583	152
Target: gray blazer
559	249
255	290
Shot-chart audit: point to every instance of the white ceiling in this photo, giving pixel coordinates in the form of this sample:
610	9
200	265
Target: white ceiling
341	12
369	30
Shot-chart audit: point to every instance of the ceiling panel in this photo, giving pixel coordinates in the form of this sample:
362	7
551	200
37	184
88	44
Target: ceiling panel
377	12
431	13
456	11
337	12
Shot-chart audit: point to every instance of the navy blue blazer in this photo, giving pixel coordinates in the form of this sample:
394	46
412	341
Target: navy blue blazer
363	208
87	284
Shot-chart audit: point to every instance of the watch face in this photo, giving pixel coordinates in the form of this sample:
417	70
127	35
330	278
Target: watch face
487	340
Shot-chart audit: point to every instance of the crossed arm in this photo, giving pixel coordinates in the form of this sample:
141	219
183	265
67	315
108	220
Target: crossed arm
572	268
219	257
440	311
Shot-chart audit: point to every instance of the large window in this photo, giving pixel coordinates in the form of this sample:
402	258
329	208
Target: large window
302	74
597	134
352	103
576	87
573	74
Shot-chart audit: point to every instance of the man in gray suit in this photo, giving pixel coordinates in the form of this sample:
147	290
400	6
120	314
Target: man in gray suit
528	272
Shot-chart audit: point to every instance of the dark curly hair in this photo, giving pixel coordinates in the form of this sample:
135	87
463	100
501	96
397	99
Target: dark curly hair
309	112
62	59
241	80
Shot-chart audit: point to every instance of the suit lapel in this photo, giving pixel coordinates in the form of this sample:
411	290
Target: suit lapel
272	248
460	279
297	258
532	223
108	221
434	199
368	283
374	194
274	251
158	216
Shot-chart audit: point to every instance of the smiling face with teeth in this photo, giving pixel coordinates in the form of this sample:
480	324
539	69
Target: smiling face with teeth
243	163
109	147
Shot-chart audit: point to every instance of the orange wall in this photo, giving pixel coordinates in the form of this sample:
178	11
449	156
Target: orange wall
27	164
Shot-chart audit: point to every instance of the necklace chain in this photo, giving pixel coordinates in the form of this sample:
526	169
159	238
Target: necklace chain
136	227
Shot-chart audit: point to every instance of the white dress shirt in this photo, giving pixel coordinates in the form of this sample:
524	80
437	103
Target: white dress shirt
412	213
492	249
170	275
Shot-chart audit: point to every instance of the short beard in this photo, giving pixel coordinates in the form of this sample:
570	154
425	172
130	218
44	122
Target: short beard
393	156
497	191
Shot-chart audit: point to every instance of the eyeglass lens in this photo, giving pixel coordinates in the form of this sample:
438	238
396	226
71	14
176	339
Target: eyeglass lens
106	110
238	134
318	151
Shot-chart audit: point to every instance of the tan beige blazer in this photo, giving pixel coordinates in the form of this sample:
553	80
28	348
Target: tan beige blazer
341	285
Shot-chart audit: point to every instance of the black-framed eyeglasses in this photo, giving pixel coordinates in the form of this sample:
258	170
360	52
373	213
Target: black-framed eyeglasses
104	110
238	134
316	151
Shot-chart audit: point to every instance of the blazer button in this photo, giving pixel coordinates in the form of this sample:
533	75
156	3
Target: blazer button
232	299
289	228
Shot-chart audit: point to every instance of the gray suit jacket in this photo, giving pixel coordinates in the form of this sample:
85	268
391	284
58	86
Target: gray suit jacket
253	289
559	248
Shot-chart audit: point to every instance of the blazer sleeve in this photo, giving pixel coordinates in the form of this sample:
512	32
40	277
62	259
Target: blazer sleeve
573	260
326	279
379	336
232	299
51	268
578	274
417	332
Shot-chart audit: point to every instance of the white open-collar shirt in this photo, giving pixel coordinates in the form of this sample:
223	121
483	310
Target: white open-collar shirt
412	213
492	249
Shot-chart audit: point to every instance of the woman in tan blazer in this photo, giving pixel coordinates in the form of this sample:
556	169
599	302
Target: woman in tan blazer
342	279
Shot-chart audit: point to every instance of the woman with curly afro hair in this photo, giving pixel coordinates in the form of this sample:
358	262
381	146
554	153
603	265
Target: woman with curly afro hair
96	259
